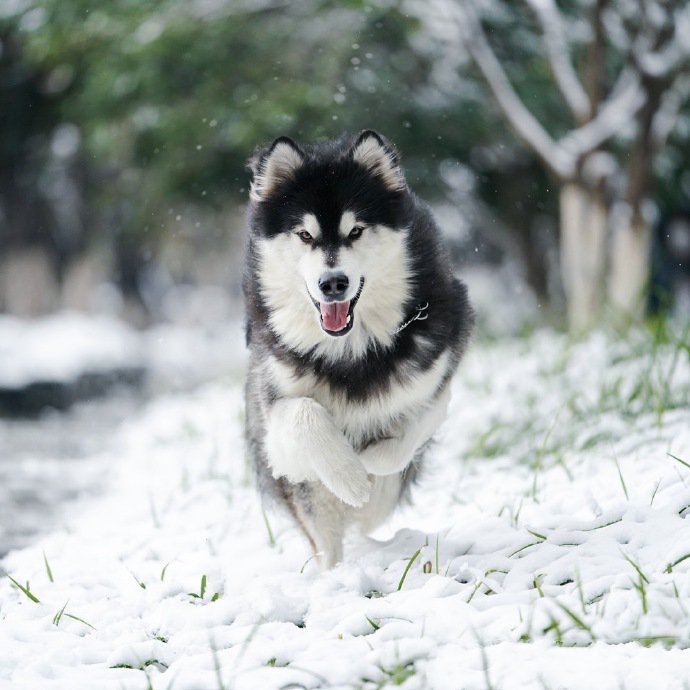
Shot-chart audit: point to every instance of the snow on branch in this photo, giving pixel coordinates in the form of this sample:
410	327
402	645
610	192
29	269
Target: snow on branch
657	63
657	37
556	45
520	118
651	49
617	111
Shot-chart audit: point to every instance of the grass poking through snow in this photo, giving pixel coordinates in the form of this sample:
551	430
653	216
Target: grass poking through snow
554	514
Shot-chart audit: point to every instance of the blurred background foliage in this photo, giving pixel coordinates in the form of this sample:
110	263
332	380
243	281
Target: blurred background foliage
127	125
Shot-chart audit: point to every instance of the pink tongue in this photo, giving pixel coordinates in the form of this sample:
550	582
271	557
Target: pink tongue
334	315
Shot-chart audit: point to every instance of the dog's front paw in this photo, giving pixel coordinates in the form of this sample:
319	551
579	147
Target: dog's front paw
349	482
357	488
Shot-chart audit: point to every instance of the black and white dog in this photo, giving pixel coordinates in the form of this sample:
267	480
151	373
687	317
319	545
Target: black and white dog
355	325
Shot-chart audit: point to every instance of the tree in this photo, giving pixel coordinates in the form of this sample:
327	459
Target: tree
618	66
169	99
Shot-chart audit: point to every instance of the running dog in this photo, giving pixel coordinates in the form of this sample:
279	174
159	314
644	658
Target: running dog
355	325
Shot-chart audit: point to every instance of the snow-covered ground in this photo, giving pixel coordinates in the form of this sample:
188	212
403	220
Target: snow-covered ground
49	458
61	347
547	547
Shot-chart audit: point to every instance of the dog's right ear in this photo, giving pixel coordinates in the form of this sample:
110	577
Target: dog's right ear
272	166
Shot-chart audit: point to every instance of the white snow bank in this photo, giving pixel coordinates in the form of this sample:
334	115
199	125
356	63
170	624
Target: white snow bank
60	348
551	525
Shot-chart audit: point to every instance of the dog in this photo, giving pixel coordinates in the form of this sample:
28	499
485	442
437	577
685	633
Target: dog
355	326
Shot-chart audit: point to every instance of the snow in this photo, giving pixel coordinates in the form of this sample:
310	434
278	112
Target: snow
61	347
554	32
638	31
558	513
521	119
614	114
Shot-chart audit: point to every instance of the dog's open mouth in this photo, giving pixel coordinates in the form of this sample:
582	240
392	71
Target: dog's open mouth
337	318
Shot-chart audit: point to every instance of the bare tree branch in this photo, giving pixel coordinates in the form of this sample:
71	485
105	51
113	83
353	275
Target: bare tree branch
656	52
667	116
617	111
595	52
519	117
562	69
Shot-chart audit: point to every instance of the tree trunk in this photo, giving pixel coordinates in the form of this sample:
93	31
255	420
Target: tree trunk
584	225
28	282
631	241
630	266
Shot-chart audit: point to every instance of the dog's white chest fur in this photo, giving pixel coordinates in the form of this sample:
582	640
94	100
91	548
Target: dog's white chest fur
376	415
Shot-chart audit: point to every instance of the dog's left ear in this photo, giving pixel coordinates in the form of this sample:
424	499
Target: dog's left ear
274	165
378	155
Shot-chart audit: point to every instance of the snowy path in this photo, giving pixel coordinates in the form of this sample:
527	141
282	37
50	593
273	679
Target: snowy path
552	527
48	459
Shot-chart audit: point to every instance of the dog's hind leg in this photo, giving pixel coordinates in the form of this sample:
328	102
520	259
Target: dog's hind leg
322	517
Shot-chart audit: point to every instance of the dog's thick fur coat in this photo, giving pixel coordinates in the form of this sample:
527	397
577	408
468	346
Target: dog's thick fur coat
355	324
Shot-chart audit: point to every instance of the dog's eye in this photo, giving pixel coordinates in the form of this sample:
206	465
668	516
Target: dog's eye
356	232
305	237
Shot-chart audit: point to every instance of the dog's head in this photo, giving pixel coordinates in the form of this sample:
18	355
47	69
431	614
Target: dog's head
329	226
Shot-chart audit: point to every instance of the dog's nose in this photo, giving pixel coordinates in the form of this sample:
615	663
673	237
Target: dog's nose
333	285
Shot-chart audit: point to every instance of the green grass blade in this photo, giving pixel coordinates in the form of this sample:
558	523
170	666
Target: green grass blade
537	535
671	566
136	579
413	558
608	524
620	476
522	548
80	620
373	624
537	586
575	618
271	536
656	488
58	616
637	567
304	565
48	570
25	590
682	462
